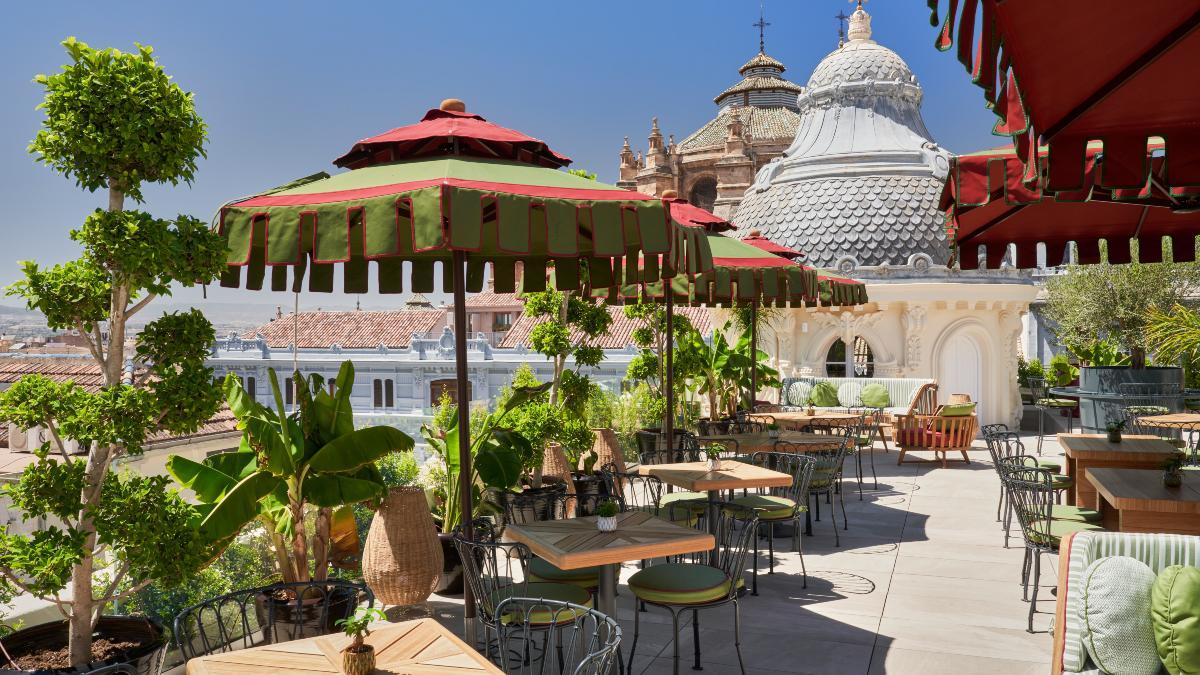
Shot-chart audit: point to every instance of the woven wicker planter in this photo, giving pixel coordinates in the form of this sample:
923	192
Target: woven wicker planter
402	559
608	450
359	663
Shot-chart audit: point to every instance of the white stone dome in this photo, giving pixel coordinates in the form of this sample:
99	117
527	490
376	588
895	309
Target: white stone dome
859	61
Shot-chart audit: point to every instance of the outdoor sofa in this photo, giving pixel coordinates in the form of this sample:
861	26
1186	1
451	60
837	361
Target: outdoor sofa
908	395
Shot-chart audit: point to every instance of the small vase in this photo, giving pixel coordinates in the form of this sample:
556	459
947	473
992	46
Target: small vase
713	464
606	523
811	411
772	433
359	663
1114	437
1172	478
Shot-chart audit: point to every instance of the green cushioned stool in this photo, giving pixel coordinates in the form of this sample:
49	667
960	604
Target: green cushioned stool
584	577
770	507
549	591
680	584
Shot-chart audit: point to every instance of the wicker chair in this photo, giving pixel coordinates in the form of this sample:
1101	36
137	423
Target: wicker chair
582	642
938	433
253	617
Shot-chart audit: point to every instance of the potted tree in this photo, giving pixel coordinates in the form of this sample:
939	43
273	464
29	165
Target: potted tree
292	466
114	121
1109	303
358	658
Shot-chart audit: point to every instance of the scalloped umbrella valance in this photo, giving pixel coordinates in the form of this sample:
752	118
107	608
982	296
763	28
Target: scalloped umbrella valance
457	190
988	204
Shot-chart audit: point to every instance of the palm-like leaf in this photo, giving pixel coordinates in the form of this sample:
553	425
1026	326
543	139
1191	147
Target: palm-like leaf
208	483
238	507
357	448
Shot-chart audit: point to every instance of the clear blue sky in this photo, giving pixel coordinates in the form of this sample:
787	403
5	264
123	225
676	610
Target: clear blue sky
287	86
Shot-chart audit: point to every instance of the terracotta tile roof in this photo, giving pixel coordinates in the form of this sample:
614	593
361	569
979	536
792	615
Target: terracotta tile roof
762	124
620	332
349	330
493	300
221	423
84	372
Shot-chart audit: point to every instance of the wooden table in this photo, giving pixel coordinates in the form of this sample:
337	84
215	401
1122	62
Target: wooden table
820	418
1180	420
1135	500
695	477
421	647
748	444
1087	451
573	543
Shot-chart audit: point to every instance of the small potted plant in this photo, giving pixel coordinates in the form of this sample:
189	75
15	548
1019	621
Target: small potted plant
1114	428
812	410
1173	471
773	430
713	453
358	658
606	515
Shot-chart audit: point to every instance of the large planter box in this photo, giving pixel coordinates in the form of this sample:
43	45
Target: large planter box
1099	392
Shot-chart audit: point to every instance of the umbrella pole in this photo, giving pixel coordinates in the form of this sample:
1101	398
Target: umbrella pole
668	384
753	353
459	264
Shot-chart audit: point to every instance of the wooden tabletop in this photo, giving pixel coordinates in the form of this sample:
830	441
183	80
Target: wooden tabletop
1096	446
1143	490
733	475
573	543
1180	419
421	647
763	442
801	418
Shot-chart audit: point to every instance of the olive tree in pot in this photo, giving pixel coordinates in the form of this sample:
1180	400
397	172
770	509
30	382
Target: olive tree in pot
1106	303
114	121
292	466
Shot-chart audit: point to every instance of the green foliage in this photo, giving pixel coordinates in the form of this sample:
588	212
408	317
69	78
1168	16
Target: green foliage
71	294
1109	302
358	625
96	131
1098	353
1028	369
289	463
600	404
1060	372
398	469
607	508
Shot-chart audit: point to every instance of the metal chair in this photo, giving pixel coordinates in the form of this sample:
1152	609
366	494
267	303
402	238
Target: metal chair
868	424
254	616
520	508
826	479
497	571
1031	492
699	585
780	504
582	640
1045	403
1140	399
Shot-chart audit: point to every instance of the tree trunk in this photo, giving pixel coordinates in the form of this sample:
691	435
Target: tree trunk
286	569
1137	358
321	544
299	542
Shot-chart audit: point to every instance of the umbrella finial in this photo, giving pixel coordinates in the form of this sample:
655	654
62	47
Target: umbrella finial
670	194
754	232
453	105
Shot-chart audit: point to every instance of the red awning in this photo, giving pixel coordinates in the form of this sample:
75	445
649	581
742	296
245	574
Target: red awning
760	242
989	205
685	213
1072	71
476	137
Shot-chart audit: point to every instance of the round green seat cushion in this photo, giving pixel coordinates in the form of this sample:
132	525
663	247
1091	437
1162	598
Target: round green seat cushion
1056	403
1147	410
680	515
1175	613
1114	616
542	591
1076	513
769	507
1053	464
680	584
584	577
1059	529
700	498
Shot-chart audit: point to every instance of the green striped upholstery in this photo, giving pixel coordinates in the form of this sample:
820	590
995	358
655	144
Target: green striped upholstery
1156	550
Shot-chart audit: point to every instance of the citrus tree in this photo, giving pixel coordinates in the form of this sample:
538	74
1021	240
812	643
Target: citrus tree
113	121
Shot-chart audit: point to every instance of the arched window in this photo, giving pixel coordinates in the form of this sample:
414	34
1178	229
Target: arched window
389	394
450	387
251	387
377	390
704	193
858	361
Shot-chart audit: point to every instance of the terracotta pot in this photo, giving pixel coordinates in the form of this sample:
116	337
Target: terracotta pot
359	663
402	558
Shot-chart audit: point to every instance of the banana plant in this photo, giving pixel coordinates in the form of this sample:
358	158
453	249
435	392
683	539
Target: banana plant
287	465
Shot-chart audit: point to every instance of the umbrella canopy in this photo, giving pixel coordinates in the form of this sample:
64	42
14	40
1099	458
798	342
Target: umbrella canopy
755	239
1075	71
421	210
687	214
988	204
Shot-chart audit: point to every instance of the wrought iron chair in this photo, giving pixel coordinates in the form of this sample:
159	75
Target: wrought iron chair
682	586
519	508
826	479
525	508
761	419
1032	492
497	571
584	641
257	616
636	492
1140	400
780	504
1044	402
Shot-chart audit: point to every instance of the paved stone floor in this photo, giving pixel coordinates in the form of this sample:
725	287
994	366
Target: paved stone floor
921	584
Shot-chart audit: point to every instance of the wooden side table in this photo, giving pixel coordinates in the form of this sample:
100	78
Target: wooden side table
1087	451
1135	500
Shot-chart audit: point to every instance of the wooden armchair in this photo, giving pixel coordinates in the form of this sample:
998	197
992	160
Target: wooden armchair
941	434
